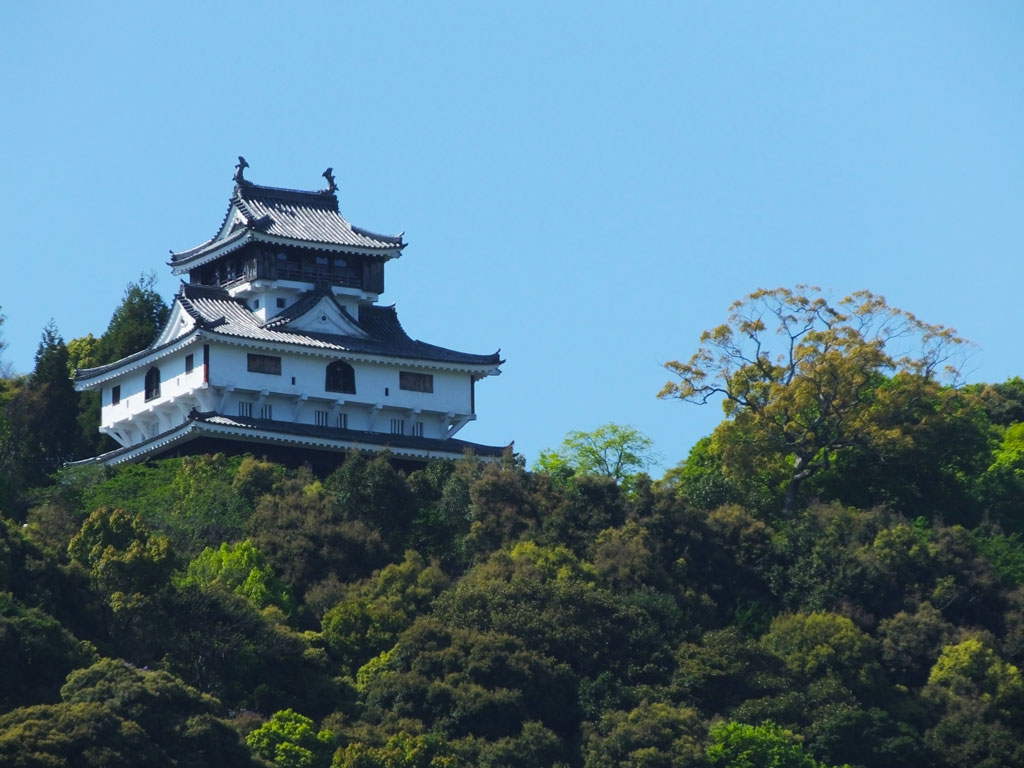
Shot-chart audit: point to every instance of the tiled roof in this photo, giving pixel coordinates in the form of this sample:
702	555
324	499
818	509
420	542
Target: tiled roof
282	432
215	311
306	217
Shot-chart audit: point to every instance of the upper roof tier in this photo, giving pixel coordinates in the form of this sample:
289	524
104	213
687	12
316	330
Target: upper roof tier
285	216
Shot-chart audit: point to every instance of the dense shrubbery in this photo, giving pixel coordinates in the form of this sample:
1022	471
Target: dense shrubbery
550	619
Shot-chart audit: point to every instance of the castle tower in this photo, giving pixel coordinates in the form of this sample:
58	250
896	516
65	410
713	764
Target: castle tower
276	343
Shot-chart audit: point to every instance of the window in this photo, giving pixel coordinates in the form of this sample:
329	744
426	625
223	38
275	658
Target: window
341	420
417	429
321	418
280	303
265	364
190	363
115	394
341	377
244	409
152	383
266	411
398	426
255	303
415	382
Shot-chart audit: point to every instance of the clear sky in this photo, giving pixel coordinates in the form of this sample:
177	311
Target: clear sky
587	185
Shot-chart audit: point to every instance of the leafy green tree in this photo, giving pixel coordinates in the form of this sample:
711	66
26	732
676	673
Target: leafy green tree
738	745
242	569
825	644
135	323
36	654
290	740
129	568
818	393
612	450
403	750
220	644
114	714
307	538
372	614
373	493
652	735
462	682
970	669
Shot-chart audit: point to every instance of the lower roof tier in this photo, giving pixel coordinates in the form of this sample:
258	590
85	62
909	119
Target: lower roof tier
208	432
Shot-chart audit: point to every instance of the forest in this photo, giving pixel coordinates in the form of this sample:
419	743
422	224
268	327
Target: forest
833	577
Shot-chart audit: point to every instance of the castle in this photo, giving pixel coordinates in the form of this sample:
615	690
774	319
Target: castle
277	346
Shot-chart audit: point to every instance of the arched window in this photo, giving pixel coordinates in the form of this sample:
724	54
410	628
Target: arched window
152	383
341	377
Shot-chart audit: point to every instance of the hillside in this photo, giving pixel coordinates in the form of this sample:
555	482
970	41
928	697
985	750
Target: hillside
228	610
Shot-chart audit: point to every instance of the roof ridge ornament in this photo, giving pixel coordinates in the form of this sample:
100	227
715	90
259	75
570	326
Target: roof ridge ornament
332	187
239	176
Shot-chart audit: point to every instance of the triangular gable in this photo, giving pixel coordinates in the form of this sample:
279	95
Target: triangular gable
232	221
178	324
325	316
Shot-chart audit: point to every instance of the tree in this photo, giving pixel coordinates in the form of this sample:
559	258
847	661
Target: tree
653	735
242	569
738	745
5	368
800	377
290	741
612	450
56	422
135	323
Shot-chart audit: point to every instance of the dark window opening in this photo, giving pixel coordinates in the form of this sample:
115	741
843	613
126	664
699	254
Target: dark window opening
416	382
280	303
115	394
265	364
190	363
397	426
152	383
266	411
341	377
244	408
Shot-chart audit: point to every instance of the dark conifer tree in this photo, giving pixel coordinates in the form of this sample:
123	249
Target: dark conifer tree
135	323
55	415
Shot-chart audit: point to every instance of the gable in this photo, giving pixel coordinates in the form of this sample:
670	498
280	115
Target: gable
325	316
232	221
178	324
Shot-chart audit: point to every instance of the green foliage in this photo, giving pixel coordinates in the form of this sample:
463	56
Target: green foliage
402	750
738	745
290	740
36	654
241	569
820	644
612	450
372	614
462	682
819	392
135	322
653	735
114	714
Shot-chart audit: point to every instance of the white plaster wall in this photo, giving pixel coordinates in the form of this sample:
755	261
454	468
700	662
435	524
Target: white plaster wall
230	382
174	383
375	383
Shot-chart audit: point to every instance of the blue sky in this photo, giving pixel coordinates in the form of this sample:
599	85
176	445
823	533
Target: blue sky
585	185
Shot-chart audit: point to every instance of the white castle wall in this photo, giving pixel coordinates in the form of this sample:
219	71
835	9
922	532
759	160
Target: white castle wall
378	398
